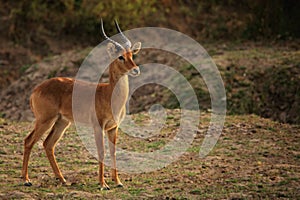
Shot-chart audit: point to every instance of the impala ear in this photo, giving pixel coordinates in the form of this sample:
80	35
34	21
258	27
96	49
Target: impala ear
136	47
111	50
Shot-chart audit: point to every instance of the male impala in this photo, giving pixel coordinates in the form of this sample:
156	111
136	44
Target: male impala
51	103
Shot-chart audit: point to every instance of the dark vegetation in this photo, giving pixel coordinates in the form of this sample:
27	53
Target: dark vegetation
229	19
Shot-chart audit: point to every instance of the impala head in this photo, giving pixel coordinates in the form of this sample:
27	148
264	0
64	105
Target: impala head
122	55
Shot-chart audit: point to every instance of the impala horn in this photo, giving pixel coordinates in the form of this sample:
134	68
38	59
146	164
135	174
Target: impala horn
123	37
118	46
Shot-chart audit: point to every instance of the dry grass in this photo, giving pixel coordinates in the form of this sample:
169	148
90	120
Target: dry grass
254	158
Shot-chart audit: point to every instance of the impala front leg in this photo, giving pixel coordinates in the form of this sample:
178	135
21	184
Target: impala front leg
99	137
112	136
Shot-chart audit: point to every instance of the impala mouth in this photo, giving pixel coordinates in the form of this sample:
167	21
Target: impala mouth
134	72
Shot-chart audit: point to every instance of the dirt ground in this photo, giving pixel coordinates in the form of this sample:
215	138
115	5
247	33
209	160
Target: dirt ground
255	158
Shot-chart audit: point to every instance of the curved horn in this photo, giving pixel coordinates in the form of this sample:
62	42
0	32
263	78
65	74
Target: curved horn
124	38
118	46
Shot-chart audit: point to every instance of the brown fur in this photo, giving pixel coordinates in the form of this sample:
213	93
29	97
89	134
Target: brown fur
51	103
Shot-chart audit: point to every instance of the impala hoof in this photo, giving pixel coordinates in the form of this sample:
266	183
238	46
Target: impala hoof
27	183
120	185
104	188
62	180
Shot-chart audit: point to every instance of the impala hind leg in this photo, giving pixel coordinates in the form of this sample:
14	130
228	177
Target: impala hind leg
112	136
41	127
49	144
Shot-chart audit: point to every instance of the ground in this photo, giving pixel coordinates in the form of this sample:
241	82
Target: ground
255	158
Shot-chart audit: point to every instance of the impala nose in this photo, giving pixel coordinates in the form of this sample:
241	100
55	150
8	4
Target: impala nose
135	71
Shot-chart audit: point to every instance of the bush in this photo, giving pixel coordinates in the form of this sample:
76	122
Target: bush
79	18
226	19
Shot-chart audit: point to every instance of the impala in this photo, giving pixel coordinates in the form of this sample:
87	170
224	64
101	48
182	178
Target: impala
51	103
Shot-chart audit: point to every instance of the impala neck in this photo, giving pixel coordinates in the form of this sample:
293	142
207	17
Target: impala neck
119	85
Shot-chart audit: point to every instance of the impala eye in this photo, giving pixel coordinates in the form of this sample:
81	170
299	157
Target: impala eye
121	58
